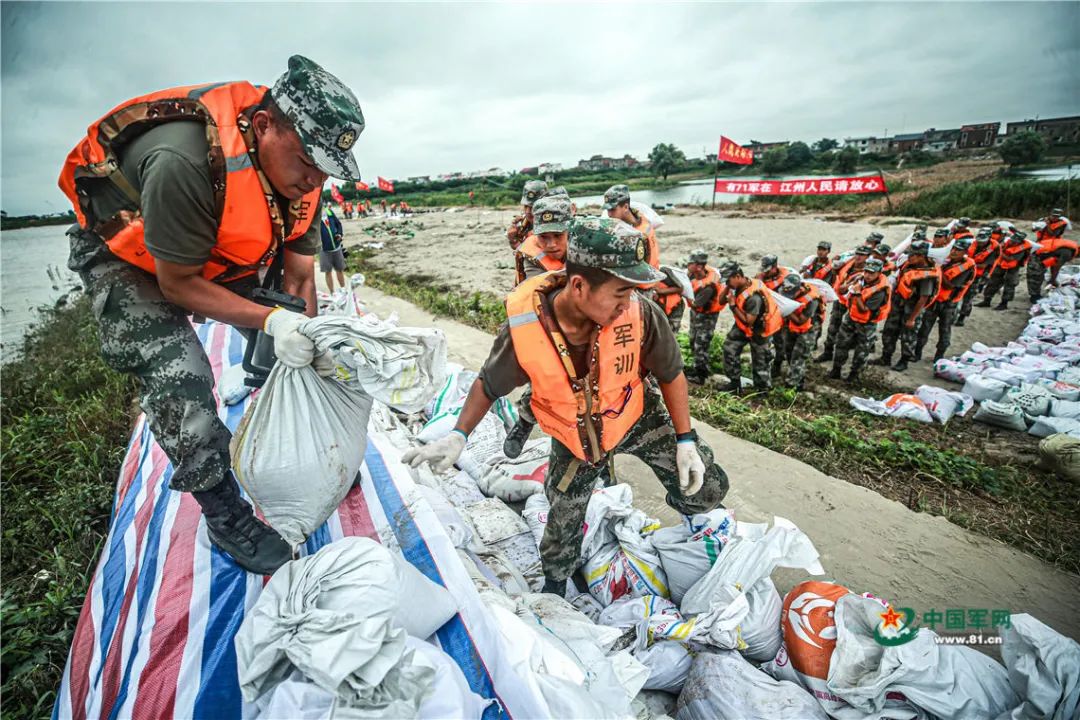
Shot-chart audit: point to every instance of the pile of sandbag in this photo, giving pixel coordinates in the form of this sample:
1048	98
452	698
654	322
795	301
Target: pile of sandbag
928	404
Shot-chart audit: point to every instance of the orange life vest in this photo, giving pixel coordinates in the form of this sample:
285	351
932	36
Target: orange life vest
808	295
1012	254
245	237
910	275
591	415
987	259
866	293
711	278
841	278
952	270
1052	230
813	270
670	301
652	249
775	281
960	232
771	320
530	250
1052	245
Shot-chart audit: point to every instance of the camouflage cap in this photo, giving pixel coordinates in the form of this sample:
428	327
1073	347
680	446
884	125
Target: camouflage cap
863	250
964	221
961	243
874	265
616	195
699	256
984	232
882	249
1018	235
728	269
769	261
918	247
325	113
533	191
791	283
941	232
1057	211
824	245
551	213
918	235
875	237
613	246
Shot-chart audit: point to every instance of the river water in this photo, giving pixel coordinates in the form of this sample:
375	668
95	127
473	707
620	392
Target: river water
33	273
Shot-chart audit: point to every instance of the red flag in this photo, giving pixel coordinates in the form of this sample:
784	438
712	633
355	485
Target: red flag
734	153
386	185
336	194
361	186
807	186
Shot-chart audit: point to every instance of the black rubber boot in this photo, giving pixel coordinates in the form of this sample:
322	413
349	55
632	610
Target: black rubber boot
884	360
834	374
918	353
1036	298
555	587
959	322
984	303
233	527
853	377
938	355
1002	305
516	438
900	366
733	386
824	356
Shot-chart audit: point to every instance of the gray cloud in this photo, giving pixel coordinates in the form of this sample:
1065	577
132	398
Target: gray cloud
469	86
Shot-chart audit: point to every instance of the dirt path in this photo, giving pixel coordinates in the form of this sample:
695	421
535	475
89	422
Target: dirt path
867	542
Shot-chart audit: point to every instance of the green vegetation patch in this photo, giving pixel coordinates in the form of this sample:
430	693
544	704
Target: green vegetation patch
990	198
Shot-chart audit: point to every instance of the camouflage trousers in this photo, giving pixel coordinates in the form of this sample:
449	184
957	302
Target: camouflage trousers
524	406
796	349
570	483
761	357
839	312
943	314
675	318
894	329
145	335
1005	281
968	302
702	329
855	336
1036	276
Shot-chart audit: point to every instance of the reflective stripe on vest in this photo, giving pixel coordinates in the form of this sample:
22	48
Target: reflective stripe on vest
1012	254
588	424
770	318
841	278
245	237
909	276
862	317
820	273
711	278
953	270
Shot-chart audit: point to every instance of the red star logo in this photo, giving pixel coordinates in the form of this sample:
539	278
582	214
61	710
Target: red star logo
890	618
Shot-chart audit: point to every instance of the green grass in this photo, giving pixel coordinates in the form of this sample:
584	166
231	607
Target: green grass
66	419
990	198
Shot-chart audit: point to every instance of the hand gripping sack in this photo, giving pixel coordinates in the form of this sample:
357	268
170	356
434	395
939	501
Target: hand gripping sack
1003	415
299	447
982	388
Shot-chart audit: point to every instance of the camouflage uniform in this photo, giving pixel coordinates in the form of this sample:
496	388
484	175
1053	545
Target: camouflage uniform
702	328
675	318
761	357
1036	277
798	348
944	314
651	440
839	311
1004	280
894	328
855	335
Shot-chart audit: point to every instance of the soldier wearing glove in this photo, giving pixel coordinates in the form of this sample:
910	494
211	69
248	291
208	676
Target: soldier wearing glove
587	341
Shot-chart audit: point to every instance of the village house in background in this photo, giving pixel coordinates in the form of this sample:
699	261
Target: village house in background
599	162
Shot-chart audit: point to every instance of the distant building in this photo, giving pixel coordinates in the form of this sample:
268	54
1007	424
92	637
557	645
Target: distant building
759	148
939	141
868	144
1055	131
599	162
905	142
978	136
548	168
419	180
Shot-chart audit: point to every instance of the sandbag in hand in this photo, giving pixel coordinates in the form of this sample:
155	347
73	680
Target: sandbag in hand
291	347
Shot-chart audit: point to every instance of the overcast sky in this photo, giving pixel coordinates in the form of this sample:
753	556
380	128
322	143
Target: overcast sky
470	86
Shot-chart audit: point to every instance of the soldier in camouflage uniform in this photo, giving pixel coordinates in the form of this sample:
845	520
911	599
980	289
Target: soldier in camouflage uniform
836	317
704	311
957	276
798	338
757	320
521	226
1015	253
579	331
910	300
297	135
859	328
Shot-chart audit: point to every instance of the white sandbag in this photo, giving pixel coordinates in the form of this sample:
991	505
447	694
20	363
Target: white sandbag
981	359
298	448
948	681
619	558
454	523
724	686
1044	670
898	405
460	489
1047	426
421	619
1010	350
450	697
669	664
786	304
1034	400
231	388
660	628
514	480
736	603
535	514
1061	454
1009	376
1069	375
402	367
1060	390
1035	346
954	371
330	616
654	218
1065	409
943	404
826	290
1047	367
1004	415
981	388
683	278
688	550
501	529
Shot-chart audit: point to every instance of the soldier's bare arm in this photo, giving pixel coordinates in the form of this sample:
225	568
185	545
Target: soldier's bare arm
299	279
678	405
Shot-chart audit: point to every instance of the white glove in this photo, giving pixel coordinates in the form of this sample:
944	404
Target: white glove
440	454
324	364
691	468
291	348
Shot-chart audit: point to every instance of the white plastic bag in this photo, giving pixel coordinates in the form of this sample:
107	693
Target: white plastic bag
981	388
421	619
828	295
660	628
943	404
786	304
535	514
1047	426
1065	409
736	603
1003	415
898	405
514	480
683	278
654	218
299	447
1034	400
724	686
687	551
1044	670
1060	390
954	371
619	559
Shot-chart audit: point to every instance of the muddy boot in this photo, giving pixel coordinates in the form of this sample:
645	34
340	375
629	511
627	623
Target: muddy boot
884	360
693	378
1001	306
900	366
834	374
233	527
959	322
853	377
939	355
733	386
777	370
918	353
516	438
984	303
824	356
1035	298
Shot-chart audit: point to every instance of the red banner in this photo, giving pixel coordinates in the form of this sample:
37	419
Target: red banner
809	186
336	194
361	186
386	185
734	153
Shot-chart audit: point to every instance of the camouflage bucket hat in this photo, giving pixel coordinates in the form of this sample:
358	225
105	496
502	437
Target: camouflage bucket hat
728	269
615	195
533	191
551	213
791	283
325	113
613	246
873	265
882	249
699	257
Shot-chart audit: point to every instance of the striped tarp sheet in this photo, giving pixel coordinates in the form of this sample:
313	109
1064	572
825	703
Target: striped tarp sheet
155	635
